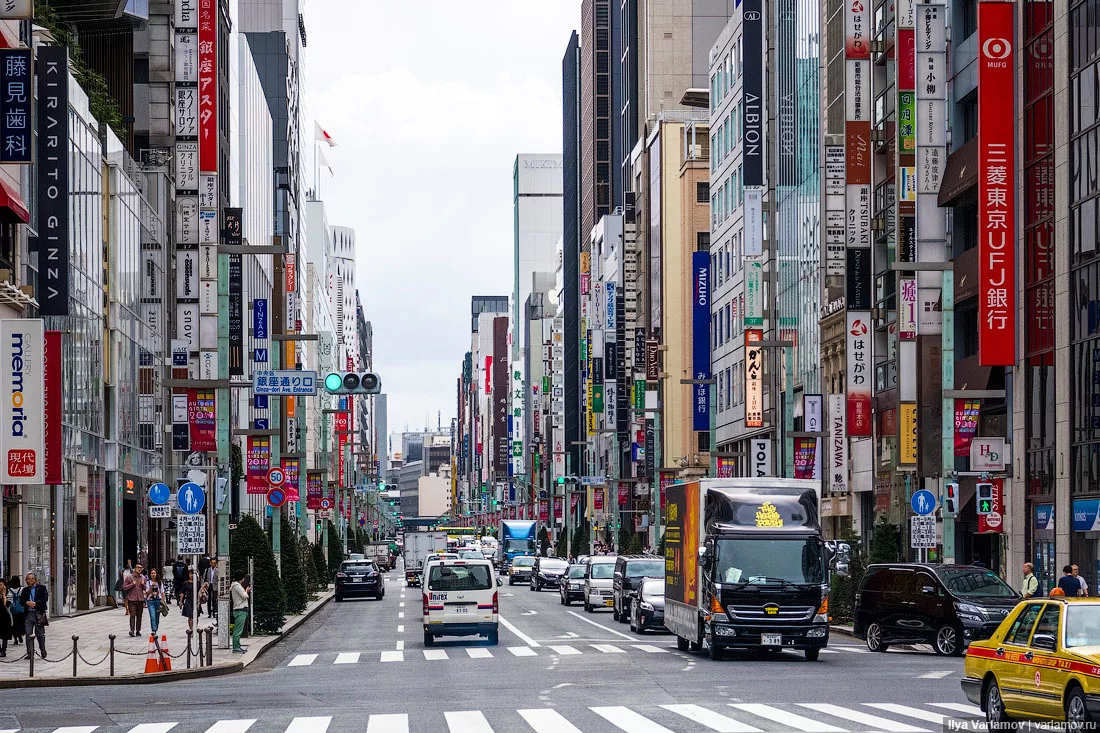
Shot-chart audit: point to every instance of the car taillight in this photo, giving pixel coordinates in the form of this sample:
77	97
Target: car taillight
341	575
425	604
496	604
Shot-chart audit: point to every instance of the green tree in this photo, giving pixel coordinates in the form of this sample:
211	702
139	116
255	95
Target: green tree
561	547
319	564
580	541
661	545
335	551
544	541
885	541
293	575
305	555
843	593
248	540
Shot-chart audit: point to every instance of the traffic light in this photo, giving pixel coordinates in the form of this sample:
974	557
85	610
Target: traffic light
950	499
352	383
985	499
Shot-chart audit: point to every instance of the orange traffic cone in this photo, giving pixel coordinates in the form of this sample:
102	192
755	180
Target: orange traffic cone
165	660
152	662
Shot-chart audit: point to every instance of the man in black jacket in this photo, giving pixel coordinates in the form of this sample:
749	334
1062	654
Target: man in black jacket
36	600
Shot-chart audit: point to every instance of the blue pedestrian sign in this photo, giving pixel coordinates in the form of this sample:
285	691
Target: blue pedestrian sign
191	498
923	502
159	494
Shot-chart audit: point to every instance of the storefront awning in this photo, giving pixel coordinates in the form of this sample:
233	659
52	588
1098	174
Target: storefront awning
12	208
960	173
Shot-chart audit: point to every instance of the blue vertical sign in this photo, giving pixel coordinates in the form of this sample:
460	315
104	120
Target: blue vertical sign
15	93
259	318
700	339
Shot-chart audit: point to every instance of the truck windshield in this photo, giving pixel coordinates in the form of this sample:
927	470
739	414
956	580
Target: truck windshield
514	545
763	562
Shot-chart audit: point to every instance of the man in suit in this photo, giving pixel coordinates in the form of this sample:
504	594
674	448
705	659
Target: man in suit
36	600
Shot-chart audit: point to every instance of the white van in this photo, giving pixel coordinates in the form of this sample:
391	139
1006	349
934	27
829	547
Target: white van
460	599
599	574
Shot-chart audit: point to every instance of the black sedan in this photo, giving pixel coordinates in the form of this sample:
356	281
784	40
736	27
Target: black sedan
359	578
547	572
647	606
571	587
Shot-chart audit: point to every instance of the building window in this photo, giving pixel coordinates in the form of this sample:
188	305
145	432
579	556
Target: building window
968	18
702	192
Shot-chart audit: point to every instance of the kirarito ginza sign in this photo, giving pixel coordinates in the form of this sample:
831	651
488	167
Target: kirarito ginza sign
22	402
996	185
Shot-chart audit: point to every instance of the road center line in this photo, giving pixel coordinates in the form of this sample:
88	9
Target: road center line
605	628
523	637
401	628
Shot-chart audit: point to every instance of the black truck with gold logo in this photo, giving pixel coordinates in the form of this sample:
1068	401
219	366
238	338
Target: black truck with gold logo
746	566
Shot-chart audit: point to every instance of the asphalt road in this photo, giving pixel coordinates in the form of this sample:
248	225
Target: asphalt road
361	665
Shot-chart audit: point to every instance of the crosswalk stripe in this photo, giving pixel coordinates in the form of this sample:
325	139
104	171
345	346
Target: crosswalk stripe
393	656
478	653
547	720
791	720
303	660
347	658
711	719
862	718
925	715
229	726
388	723
650	648
958	707
77	729
400	646
565	650
937	675
151	728
626	719
607	648
317	724
853	649
522	651
433	655
468	721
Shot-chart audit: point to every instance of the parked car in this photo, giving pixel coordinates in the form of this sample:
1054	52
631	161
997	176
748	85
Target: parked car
947	606
520	569
359	578
460	599
630	571
647	606
571	587
547	572
598	574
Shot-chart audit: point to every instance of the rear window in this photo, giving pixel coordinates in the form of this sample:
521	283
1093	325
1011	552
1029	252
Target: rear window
645	569
524	562
603	570
357	567
460	577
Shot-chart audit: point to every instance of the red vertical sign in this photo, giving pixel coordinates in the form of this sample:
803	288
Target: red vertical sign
544	510
597	499
996	186
994	521
52	399
341	439
208	86
202	420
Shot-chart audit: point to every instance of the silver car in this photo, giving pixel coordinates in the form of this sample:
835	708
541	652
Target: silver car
598	576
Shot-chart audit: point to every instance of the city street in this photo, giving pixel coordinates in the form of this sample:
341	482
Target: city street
362	665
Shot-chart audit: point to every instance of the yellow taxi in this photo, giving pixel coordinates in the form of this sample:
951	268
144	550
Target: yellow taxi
1043	662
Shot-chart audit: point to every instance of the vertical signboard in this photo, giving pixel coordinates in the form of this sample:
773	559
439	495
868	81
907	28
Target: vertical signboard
930	55
754	222
966	425
994	521
700	340
52	396
907	433
15	95
752	119
22	408
907	308
500	403
838	445
754	294
208	86
754	379
761	457
996	186
257	463
835	176
53	180
857	134
341	423
859	374
202	419
314	489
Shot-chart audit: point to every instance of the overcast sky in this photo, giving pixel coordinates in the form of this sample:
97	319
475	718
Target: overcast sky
429	102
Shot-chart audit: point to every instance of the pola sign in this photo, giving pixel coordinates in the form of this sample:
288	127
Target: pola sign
22	402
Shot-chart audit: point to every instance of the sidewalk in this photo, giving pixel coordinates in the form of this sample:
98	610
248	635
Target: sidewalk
93	664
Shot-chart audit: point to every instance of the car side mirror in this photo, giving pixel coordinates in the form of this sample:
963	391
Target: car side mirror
500	581
1043	641
702	551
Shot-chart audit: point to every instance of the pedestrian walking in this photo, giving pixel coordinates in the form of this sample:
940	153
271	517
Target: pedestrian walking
187	599
35	599
1030	586
17	611
179	572
154	599
210	582
1081	579
1068	583
5	618
133	591
126	573
238	601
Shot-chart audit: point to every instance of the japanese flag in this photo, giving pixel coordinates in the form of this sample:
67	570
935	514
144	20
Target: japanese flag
322	135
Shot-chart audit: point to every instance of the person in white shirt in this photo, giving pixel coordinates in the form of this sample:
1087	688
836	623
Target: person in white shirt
1082	581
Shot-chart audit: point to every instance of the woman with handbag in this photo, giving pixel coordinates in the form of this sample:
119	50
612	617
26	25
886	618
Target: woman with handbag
187	607
5	618
154	599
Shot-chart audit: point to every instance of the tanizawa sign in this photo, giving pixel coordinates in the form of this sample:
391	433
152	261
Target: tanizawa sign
22	401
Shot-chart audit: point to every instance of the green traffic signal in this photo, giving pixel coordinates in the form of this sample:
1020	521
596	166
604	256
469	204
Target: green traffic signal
333	382
561	480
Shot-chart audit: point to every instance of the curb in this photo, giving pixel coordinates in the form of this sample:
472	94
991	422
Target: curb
218	670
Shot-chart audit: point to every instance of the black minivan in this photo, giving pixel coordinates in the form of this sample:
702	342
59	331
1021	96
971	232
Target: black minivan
947	606
630	571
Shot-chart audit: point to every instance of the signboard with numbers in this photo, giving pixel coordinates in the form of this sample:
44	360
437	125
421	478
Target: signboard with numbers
191	534
922	532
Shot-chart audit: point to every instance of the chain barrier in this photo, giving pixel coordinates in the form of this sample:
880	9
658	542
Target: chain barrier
95	664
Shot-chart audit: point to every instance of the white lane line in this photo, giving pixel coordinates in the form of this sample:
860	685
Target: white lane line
958	707
401	628
400	614
318	724
478	653
468	721
547	720
925	715
522	636
522	651
400	646
650	649
77	729
434	655
393	656
607	648
222	726
852	649
626	719
605	628
347	658
390	723
565	650
303	660
790	720
711	719
856	716
146	728
937	675
401	604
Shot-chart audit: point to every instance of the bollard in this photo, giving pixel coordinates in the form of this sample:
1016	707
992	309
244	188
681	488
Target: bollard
112	654
75	653
210	646
30	647
189	632
200	655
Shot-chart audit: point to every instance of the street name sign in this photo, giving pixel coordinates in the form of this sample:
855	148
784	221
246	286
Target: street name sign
291	382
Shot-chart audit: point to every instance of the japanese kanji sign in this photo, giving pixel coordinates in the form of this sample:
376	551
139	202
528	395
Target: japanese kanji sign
284	382
859	374
15	112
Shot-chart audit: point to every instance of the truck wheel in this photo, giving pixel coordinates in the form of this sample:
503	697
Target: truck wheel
429	640
681	643
812	654
716	651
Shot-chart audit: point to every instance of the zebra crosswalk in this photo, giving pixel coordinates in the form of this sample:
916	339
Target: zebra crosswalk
479	652
670	718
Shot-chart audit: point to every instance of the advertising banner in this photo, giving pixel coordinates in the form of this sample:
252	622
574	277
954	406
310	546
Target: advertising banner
52	122
597	498
726	467
501	398
341	425
559	503
682	540
187	56
907	433
859	374
202	420
257	464
858	281
652	360
838	445
15	91
857	29
996	185
22	409
314	488
236	316
966	425
52	395
754	222
805	455
754	294
624	494
291	473
208	87
668	478
700	340
907	308
754	379
544	510
994	521
753	111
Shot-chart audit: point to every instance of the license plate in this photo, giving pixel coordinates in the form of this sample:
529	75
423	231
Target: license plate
462	609
771	639
609	603
356	580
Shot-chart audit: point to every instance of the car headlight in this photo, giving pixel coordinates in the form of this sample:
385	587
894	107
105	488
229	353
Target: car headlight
817	631
968	608
646	606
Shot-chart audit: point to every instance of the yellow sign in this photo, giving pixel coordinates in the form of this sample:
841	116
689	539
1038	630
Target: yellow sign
907	433
586	262
767	516
771	609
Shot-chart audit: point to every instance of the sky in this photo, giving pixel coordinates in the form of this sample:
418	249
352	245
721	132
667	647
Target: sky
429	103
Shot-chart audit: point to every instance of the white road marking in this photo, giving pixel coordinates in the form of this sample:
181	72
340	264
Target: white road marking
400	645
400	614
469	721
222	726
146	728
917	713
607	648
937	675
569	635
393	656
391	723
855	716
347	658
958	707
401	628
626	719
605	628
711	719
853	649
530	613
522	636
81	729
547	720
650	648
565	650
522	651
318	724
434	655
790	720
476	652
303	660
401	604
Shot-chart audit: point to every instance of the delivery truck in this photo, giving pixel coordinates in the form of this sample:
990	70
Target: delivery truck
746	566
517	537
418	546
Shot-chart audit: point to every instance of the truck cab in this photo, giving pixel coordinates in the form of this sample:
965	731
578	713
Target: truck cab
517	537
